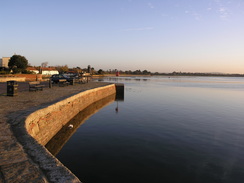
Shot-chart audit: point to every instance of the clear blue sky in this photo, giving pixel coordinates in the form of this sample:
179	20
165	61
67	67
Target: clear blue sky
157	35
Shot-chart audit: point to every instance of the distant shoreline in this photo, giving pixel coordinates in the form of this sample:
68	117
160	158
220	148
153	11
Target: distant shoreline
172	75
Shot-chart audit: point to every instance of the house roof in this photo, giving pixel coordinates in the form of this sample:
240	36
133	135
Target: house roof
43	69
31	69
48	69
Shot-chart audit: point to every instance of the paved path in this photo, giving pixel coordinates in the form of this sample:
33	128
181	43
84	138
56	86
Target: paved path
15	164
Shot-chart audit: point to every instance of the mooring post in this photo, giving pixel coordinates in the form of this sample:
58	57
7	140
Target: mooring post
119	91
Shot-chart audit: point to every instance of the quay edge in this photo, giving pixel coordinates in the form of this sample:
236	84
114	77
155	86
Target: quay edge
36	128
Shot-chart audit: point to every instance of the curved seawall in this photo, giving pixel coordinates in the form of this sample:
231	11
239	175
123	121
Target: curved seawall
41	125
63	136
45	123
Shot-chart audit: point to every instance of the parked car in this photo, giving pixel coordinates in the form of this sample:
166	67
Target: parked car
56	77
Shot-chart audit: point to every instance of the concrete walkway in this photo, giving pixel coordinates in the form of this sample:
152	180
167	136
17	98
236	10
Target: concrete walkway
15	164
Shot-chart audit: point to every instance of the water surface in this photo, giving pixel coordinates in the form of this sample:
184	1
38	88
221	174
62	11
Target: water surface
177	129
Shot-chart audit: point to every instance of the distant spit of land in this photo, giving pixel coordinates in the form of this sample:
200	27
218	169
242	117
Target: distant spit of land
177	74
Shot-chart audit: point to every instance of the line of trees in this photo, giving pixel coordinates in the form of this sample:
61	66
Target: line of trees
145	72
129	72
18	64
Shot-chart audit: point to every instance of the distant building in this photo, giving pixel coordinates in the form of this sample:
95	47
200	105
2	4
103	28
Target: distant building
33	69
43	71
4	62
49	71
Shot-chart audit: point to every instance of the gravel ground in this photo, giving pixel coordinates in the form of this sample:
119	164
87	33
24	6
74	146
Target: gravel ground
26	99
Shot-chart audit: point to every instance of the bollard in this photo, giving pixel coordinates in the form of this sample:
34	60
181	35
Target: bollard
72	81
119	91
50	83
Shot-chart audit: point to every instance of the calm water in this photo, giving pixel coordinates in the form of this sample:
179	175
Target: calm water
178	129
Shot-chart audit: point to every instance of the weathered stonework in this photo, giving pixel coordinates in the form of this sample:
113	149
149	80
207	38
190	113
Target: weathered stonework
36	129
45	123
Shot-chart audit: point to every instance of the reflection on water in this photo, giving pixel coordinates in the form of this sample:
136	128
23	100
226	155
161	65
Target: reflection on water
58	141
177	129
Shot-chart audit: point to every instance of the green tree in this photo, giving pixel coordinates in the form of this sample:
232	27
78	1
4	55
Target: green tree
18	63
145	72
100	71
62	69
93	70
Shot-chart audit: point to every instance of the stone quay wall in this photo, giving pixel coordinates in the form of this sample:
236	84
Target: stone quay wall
43	124
40	126
21	77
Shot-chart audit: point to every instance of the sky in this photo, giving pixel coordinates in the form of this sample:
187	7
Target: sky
153	35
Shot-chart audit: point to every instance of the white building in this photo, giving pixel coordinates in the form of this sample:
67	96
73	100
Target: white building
4	62
32	69
49	71
43	70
